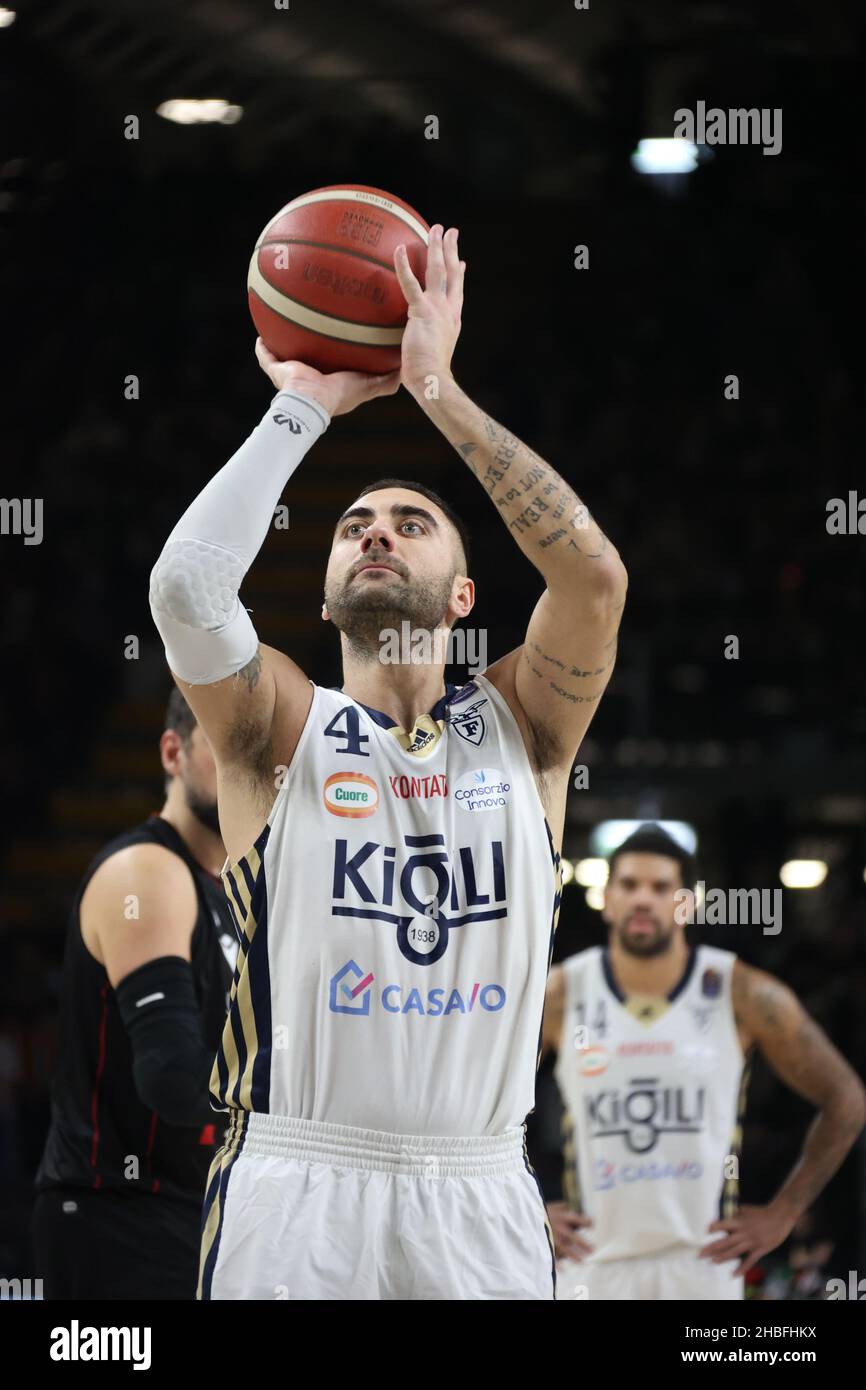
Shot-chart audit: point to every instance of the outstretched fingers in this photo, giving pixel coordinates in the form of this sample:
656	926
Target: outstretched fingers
412	291
435	280
454	269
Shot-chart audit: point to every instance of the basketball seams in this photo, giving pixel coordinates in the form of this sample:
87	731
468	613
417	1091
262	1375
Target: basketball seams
338	337
336	303
317	321
344	194
327	246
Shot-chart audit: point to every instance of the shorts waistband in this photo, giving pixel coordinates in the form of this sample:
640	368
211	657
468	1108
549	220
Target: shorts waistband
414	1155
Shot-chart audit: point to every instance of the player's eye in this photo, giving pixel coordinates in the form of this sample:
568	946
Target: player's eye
353	527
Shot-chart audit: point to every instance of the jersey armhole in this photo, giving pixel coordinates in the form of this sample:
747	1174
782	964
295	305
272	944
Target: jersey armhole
503	709
234	867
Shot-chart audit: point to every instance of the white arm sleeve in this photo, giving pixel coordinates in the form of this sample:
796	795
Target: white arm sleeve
207	632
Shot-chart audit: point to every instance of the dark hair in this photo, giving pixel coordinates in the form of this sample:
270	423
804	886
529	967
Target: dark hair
180	719
653	839
427	492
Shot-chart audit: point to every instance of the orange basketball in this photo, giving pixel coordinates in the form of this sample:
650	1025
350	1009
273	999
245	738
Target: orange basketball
322	285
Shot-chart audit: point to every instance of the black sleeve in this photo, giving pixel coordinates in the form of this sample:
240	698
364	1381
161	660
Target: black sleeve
170	1059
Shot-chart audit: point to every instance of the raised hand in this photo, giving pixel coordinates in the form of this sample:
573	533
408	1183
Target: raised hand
338	392
434	312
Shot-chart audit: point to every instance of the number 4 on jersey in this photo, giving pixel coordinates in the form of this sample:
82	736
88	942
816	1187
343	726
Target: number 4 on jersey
351	733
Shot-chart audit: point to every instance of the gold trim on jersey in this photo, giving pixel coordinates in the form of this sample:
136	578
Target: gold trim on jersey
570	1175
730	1198
421	739
238	1085
217	1179
646	1008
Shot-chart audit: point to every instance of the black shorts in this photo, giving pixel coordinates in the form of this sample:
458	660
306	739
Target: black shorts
106	1244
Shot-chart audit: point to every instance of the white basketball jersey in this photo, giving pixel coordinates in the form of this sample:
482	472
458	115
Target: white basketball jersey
396	919
653	1108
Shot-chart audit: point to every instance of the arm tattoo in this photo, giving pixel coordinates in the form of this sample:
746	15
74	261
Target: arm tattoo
544	656
575	699
572	697
755	1001
767	998
531	495
252	671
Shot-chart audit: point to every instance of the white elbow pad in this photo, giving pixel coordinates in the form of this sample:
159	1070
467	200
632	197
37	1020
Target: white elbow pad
207	632
194	584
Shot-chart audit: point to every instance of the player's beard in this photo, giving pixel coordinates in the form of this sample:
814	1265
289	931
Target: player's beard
365	609
654	943
204	808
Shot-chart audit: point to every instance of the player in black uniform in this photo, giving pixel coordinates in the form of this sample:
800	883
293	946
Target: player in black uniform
150	954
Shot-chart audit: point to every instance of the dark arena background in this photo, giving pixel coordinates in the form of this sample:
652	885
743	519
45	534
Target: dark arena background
681	343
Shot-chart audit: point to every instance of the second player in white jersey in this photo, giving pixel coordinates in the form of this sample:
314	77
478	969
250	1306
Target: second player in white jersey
652	1104
653	1037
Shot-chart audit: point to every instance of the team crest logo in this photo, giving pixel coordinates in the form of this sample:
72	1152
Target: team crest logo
470	724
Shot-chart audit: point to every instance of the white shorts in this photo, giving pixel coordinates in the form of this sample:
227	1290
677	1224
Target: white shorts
303	1210
675	1274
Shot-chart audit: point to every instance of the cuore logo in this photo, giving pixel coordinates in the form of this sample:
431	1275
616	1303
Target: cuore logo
351	794
592	1061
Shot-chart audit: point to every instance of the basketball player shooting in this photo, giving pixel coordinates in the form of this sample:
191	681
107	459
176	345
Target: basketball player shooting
393	851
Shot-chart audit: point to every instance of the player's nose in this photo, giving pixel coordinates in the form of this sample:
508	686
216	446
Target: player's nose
377	533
